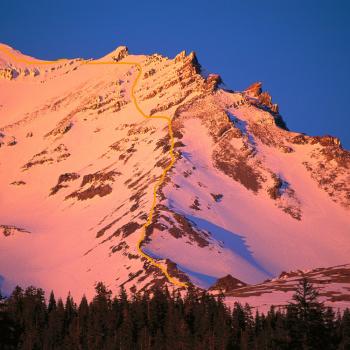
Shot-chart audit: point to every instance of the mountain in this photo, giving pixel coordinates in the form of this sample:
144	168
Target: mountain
84	144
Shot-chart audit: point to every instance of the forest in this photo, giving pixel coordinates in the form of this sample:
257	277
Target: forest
167	320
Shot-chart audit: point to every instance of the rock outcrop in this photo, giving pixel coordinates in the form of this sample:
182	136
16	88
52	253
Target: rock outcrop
227	284
120	53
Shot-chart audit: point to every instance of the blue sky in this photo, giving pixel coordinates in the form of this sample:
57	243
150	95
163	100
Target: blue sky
300	50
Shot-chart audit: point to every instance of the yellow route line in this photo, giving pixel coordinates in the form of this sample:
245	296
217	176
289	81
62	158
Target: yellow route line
165	171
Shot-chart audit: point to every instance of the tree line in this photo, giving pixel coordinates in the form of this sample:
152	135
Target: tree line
169	321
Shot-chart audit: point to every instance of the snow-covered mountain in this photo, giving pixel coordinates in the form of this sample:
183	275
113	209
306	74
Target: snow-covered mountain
79	163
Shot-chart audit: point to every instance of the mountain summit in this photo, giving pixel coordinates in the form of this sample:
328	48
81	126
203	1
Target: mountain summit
245	197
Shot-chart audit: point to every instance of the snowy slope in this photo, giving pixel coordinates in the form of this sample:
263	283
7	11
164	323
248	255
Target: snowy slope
332	284
78	164
272	216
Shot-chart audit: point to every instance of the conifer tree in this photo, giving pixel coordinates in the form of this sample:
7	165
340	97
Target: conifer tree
83	322
15	305
34	318
55	330
52	303
71	330
306	315
345	331
238	324
8	327
98	330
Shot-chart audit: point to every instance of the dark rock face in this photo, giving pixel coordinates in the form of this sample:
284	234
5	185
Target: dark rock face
326	140
176	225
262	99
99	176
299	139
213	81
127	229
227	284
120	53
99	185
18	183
48	156
239	171
62	180
8	230
174	271
254	90
185	75
92	191
192	59
331	165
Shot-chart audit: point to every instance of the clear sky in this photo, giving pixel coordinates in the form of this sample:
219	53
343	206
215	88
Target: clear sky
299	49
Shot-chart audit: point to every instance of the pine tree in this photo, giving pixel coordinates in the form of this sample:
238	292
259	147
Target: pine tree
139	307
15	305
305	298
126	330
331	337
8	327
83	322
247	338
34	318
306	317
52	303
238	324
171	325
221	323
345	331
55	331
71	329
100	308
280	339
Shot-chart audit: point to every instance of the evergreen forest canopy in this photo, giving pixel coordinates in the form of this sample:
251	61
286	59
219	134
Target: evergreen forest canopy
168	321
